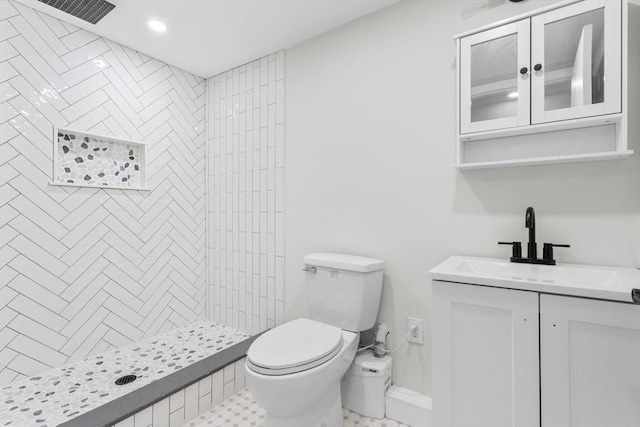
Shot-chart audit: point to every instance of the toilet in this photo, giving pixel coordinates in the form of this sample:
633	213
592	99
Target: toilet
293	371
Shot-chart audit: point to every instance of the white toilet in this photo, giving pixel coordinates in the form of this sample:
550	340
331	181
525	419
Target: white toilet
293	371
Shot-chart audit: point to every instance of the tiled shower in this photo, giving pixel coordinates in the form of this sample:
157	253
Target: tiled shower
86	270
245	197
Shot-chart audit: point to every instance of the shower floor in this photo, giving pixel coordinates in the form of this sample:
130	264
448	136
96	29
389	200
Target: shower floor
68	393
240	410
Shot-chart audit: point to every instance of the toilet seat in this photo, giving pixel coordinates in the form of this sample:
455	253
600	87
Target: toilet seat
294	347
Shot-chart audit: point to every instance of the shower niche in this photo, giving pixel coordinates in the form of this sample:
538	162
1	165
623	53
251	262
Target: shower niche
82	159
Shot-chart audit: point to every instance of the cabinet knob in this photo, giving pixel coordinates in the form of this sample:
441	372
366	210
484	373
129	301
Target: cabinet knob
524	70
537	67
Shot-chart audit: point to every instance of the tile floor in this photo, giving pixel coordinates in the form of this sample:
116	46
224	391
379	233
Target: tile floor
240	410
89	383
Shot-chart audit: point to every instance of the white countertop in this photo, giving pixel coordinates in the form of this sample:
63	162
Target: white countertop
590	281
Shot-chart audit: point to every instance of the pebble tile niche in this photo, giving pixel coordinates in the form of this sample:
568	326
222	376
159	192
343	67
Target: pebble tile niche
98	161
67	392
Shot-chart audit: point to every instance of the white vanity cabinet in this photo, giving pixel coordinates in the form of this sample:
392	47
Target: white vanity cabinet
506	357
589	362
485	357
546	87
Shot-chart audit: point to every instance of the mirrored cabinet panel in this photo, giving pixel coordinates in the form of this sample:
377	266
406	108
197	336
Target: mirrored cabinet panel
531	90
576	61
492	81
574	69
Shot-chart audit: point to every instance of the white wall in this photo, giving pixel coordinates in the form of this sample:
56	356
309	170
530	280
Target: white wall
245	152
86	269
370	148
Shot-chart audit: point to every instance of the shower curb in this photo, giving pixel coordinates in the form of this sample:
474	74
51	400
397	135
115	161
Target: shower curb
117	410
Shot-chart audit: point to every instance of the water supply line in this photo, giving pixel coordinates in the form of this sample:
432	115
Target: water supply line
380	344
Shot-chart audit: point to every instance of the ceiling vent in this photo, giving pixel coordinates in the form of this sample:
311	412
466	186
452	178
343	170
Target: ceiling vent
88	10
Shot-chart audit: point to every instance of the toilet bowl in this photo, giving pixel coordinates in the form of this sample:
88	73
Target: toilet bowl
303	392
294	370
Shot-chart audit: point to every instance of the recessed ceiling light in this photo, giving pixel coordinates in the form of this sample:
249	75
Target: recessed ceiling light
513	95
157	26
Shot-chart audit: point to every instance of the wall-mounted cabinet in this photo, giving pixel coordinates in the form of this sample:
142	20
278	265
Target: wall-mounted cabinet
546	87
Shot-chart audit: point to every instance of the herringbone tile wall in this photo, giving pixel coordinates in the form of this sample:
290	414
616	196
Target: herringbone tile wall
85	269
246	194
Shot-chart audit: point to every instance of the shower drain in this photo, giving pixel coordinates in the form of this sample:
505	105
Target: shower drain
126	379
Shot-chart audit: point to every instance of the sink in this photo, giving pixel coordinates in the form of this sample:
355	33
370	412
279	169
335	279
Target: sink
568	279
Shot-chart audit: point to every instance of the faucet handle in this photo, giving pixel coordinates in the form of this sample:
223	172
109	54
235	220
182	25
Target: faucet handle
517	248
547	250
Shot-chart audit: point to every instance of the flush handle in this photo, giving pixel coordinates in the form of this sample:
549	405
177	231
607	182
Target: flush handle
309	269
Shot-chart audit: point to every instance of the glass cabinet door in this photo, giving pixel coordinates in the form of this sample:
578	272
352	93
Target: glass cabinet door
494	78
576	59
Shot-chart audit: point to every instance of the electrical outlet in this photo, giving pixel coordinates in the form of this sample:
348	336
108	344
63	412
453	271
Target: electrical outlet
415	335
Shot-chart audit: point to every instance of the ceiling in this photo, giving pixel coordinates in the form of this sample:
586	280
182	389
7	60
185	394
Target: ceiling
207	37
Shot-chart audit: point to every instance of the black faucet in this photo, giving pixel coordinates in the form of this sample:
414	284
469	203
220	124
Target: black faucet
532	246
530	223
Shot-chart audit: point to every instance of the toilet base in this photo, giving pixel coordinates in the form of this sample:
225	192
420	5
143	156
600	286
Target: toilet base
327	412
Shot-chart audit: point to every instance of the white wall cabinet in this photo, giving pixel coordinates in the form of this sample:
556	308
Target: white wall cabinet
533	89
497	363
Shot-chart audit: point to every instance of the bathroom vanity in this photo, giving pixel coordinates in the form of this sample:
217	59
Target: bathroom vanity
535	345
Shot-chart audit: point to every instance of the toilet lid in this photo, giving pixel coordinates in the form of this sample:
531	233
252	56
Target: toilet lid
294	347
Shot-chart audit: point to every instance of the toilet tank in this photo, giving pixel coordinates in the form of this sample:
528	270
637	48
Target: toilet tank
344	290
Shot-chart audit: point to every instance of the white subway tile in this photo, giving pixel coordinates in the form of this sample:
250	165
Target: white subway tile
191	402
239	374
279	279
177	419
161	413
85	53
279	313
127	422
271	300
176	400
144	418
229	373
204	403
204	386
229	389
217	390
263	313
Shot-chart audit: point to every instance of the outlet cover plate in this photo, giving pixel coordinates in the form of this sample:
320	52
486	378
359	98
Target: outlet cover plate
417	337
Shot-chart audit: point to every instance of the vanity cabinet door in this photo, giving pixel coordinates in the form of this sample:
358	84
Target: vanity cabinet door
494	78
590	362
485	357
576	60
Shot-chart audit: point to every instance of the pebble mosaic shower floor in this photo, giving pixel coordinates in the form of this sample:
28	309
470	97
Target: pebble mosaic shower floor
240	410
61	394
